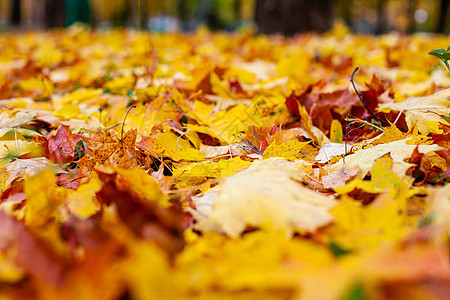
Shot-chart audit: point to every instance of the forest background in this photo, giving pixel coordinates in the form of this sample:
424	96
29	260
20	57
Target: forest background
269	16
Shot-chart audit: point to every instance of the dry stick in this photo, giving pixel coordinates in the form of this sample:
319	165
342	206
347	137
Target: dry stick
362	100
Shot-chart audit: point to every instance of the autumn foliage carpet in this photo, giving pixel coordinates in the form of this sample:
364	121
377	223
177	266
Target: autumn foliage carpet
223	166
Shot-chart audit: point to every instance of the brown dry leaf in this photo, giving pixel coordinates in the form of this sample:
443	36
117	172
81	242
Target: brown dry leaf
105	148
143	215
339	178
267	195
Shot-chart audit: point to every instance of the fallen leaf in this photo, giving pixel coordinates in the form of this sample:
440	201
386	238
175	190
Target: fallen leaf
105	148
83	203
365	158
10	150
63	144
25	167
147	219
44	263
267	196
339	178
228	150
290	150
390	134
169	145
424	112
330	150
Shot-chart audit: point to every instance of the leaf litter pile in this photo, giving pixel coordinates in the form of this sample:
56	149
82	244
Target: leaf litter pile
223	166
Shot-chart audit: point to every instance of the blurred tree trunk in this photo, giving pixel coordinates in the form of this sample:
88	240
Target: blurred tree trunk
15	12
442	16
345	10
410	12
54	13
292	16
381	20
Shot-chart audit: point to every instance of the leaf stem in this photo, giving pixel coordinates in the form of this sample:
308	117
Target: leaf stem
362	100
123	123
17	144
365	122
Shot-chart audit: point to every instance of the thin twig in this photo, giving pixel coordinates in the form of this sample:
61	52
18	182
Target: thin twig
178	140
111	127
249	144
123	123
365	122
362	100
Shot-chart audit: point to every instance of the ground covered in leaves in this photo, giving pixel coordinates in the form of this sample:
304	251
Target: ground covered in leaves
223	166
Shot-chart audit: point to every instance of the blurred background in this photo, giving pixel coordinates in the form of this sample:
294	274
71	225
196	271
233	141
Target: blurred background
268	16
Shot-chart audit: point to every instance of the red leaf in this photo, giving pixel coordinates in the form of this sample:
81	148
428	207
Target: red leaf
62	145
33	255
148	220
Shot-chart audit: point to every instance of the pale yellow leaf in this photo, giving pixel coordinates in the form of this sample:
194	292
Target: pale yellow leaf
267	195
423	112
30	167
365	158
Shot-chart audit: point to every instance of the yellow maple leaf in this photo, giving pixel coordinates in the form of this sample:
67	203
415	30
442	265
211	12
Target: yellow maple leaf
82	202
168	144
289	150
196	173
41	84
362	227
390	134
141	185
43	198
77	96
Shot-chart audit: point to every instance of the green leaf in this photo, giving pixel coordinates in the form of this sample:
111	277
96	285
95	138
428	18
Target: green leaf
446	63
438	55
356	292
440	51
338	250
